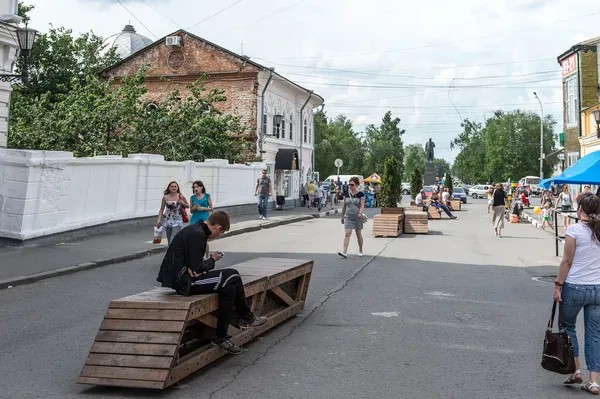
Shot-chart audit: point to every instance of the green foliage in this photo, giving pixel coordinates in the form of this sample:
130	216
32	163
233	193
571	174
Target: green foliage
414	157
448	182
383	142
334	139
23	11
416	182
391	187
505	146
441	167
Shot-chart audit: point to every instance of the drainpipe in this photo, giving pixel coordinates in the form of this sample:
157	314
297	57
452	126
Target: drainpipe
262	111
310	92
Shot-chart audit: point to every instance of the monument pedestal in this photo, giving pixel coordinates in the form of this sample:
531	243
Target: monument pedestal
429	175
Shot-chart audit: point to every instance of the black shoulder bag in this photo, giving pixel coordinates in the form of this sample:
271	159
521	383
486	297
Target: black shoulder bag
557	355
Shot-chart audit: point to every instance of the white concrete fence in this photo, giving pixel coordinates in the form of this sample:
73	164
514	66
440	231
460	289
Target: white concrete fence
48	192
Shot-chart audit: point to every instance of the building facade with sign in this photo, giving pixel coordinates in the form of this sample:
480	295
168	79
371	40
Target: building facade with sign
257	94
581	82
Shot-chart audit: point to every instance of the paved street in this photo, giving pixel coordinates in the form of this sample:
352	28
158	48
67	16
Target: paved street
451	314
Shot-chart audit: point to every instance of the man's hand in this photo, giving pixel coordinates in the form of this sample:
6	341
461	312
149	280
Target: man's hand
194	274
216	256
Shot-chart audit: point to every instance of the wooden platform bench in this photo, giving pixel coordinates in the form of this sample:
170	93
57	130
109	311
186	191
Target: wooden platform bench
415	222
433	212
388	225
156	338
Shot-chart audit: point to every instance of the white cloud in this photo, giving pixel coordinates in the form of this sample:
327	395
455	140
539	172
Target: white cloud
428	39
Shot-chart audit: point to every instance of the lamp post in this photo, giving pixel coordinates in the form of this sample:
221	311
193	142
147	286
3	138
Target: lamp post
541	137
25	39
277	120
597	118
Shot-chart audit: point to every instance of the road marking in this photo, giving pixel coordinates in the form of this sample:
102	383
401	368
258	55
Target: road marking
385	314
499	351
450	324
439	293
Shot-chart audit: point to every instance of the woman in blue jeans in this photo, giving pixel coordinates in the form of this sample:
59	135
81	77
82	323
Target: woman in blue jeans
577	286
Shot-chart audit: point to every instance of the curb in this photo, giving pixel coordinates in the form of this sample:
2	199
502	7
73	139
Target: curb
533	221
32	278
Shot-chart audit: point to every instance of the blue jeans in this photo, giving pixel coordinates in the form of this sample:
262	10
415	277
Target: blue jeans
575	297
263	204
444	208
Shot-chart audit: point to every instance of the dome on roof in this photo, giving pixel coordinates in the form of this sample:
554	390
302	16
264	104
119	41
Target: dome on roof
127	42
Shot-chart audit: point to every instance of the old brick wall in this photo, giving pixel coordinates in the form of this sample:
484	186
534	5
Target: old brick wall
589	78
170	68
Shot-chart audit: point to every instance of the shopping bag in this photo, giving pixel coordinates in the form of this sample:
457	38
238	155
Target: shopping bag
157	235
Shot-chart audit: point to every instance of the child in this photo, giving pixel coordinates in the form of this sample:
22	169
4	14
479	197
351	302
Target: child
546	216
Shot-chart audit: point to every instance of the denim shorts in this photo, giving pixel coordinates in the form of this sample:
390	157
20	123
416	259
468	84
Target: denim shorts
587	297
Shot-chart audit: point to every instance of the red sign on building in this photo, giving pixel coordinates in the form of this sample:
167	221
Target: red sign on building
569	65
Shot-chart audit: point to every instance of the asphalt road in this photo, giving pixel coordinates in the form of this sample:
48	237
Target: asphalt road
451	314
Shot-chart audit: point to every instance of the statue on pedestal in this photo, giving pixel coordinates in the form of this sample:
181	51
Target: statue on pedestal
429	146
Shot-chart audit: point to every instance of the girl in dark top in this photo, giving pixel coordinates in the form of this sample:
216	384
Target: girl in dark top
498	206
437	205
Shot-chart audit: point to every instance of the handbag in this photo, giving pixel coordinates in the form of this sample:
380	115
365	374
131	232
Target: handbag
365	219
185	218
557	355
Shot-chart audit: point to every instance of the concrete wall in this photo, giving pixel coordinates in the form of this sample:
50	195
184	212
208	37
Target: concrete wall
47	192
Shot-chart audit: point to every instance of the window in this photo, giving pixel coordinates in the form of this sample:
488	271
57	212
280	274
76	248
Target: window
291	128
305	130
283	128
264	121
310	135
274	128
571	100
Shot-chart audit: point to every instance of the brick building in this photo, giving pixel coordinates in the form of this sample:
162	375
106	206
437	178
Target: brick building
255	93
581	83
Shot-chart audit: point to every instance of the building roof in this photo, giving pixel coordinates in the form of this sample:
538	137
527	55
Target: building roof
579	46
216	46
127	42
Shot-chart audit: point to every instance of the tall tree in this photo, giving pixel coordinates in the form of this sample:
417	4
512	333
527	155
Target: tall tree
414	157
470	162
391	189
416	182
441	167
384	141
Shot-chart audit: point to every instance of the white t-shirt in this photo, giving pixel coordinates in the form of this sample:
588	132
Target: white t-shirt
445	196
320	192
419	199
586	262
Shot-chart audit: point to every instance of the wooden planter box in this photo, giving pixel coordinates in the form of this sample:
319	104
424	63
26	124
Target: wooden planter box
156	338
456	204
388	225
395	211
416	222
433	212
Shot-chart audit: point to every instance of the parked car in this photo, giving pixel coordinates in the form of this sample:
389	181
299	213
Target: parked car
479	191
459	193
405	188
428	190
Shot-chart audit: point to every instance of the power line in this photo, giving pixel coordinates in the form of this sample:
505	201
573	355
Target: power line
158	12
263	18
439	44
136	18
449	108
215	14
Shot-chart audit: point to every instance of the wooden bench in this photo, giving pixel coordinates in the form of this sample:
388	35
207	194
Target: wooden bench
156	338
388	225
415	222
434	213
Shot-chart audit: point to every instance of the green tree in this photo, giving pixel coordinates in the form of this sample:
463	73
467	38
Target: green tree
382	142
441	167
416	182
448	181
391	187
469	164
336	139
414	157
23	11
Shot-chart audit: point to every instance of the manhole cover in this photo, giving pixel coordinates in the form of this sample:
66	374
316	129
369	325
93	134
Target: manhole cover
549	279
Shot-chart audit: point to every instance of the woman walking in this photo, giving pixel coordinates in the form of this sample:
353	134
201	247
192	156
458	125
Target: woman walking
577	286
171	208
565	200
201	203
352	216
498	207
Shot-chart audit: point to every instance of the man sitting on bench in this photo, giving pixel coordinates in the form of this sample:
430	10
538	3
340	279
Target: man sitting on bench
420	200
185	269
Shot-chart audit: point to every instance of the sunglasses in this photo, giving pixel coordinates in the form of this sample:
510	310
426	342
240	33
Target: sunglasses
352	184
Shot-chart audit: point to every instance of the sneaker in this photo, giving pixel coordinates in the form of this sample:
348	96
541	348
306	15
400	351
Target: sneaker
343	254
255	321
360	254
226	344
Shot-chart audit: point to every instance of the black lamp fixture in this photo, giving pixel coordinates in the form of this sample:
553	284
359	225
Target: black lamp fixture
25	39
597	118
277	120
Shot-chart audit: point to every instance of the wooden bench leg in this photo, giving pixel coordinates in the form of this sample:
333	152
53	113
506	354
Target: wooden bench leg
257	302
211	321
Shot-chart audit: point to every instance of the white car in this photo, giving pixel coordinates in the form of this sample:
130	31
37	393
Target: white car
405	188
479	191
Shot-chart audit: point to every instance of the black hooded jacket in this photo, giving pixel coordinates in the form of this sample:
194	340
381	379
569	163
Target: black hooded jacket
187	250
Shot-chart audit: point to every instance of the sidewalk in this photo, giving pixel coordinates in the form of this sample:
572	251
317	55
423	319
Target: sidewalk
27	264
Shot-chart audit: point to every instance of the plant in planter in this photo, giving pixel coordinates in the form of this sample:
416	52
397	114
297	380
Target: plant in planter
448	182
391	187
416	182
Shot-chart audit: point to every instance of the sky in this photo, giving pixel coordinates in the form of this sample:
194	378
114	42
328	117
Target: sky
431	63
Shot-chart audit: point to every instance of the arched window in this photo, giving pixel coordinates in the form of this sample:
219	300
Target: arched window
305	130
282	133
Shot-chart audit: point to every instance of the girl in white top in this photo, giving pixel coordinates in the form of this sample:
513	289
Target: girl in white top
565	202
577	286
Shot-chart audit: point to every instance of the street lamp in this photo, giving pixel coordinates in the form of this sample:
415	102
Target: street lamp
25	39
541	137
277	120
597	118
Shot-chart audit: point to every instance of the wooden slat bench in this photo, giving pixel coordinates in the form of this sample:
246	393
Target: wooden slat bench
156	338
388	225
415	222
433	212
